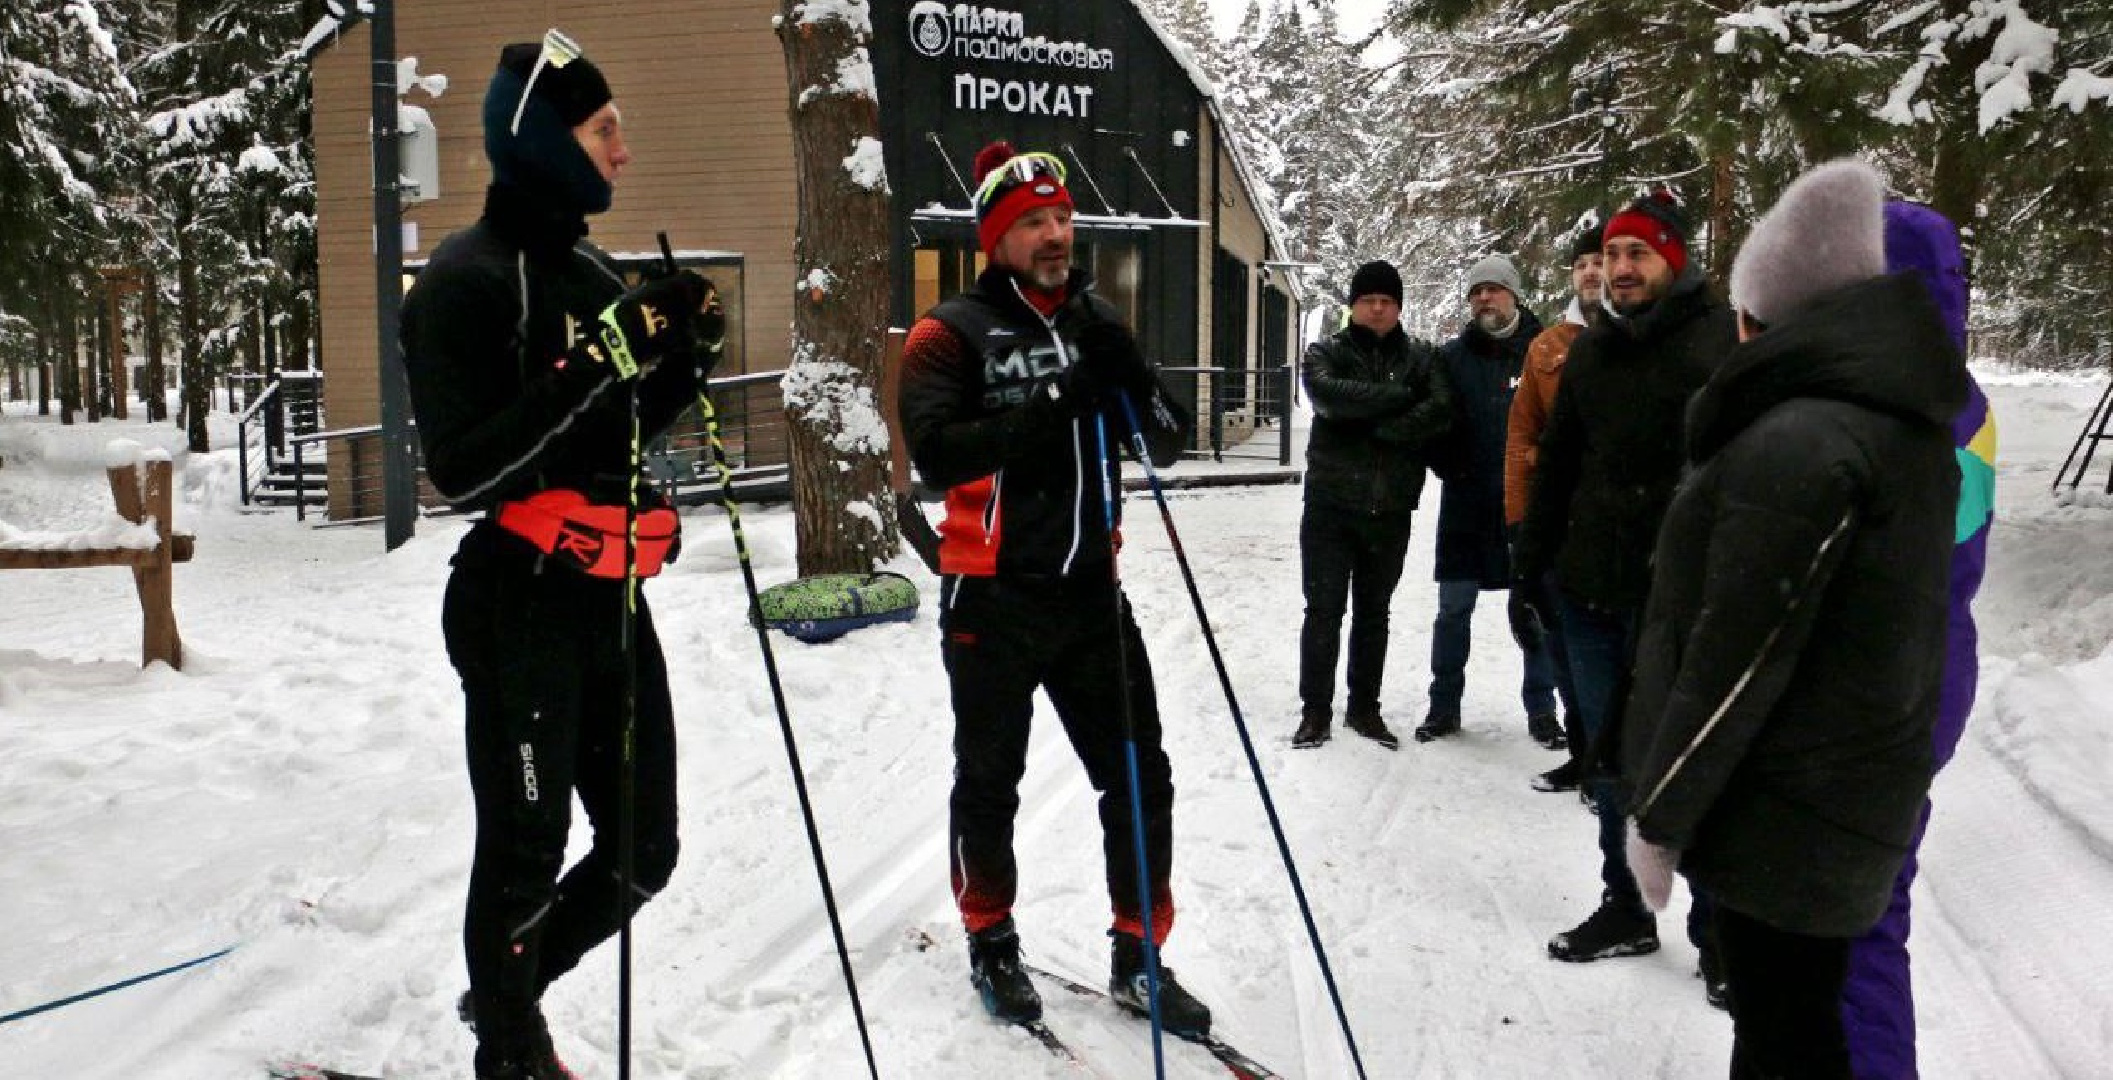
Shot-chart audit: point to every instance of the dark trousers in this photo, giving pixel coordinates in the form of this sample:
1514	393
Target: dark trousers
1451	638
1786	992
1347	560
1601	645
543	677
1003	639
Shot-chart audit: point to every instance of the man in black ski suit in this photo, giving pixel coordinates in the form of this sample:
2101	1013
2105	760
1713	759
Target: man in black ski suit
1609	461
524	347
1005	391
1483	363
1379	397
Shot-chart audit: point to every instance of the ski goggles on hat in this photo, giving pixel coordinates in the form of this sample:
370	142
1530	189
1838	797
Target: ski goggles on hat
558	51
1017	170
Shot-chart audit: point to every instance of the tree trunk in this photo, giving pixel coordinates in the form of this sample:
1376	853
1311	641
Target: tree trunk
1721	241
157	378
843	506
197	382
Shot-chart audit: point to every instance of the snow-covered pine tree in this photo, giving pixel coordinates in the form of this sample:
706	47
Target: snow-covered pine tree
843	504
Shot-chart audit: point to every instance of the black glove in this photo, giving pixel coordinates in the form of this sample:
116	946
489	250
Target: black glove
710	324
1527	610
1110	352
646	324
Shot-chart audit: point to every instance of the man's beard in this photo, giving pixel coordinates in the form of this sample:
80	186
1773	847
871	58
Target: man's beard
1494	322
1049	275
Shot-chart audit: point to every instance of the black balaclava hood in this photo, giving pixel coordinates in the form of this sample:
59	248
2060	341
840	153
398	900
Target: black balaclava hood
542	157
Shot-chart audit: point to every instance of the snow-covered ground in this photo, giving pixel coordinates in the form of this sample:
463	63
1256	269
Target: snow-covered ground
297	792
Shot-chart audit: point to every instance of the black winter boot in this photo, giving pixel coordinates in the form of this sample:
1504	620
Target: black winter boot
1179	1011
994	970
1545	729
1561	778
519	1048
1616	929
1366	722
1438	726
1313	728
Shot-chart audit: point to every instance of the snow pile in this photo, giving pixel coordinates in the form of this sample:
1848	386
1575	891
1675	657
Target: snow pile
111	532
866	166
828	393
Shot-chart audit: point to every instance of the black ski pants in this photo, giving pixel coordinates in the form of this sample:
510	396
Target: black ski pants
542	672
1347	560
1786	1000
1003	639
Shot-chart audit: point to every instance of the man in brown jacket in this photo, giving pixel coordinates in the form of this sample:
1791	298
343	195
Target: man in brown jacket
1530	408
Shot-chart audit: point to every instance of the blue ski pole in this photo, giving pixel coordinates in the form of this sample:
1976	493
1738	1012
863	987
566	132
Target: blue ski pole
1247	742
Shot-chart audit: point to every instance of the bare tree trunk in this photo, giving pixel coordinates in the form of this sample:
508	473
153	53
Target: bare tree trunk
197	382
843	506
150	329
1721	241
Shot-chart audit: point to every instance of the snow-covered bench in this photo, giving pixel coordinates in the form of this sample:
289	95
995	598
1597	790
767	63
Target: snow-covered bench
139	536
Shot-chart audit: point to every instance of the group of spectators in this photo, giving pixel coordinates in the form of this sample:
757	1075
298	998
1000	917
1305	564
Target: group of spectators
1739	541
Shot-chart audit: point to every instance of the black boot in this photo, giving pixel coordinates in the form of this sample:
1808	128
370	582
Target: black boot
1313	728
517	1047
1438	726
1547	730
994	970
1561	778
1179	1011
1366	722
1616	929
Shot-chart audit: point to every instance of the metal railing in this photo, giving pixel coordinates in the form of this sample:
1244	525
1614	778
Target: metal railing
1245	413
363	480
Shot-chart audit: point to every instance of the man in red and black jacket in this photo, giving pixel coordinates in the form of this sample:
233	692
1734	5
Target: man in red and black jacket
1006	391
523	348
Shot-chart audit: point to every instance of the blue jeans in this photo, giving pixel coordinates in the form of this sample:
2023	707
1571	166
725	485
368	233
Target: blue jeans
1601	644
1450	637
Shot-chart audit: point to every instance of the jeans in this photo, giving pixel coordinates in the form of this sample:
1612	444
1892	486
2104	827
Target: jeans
1348	560
1601	644
1450	638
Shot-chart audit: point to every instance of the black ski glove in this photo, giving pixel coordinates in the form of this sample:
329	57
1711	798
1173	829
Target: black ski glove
1528	612
711	324
1109	351
646	325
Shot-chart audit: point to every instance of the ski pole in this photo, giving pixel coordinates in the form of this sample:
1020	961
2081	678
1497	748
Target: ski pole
1137	805
777	698
1247	742
627	760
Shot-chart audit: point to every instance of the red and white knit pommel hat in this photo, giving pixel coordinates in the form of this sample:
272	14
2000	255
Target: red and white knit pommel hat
1031	181
1657	220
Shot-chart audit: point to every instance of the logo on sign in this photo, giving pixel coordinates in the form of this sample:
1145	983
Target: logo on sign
930	32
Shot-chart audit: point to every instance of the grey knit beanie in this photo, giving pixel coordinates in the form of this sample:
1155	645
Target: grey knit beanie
1827	231
1494	270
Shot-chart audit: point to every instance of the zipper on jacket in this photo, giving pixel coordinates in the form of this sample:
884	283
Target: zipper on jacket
1078	461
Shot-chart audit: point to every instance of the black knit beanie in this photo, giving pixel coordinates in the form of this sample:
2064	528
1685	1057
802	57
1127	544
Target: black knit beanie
542	156
1375	278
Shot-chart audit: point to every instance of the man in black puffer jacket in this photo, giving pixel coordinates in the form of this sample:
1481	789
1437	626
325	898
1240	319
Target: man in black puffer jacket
1484	363
1379	397
523	418
1777	740
1609	461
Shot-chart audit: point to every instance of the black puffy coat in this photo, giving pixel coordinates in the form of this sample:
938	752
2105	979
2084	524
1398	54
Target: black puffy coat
1378	402
1611	455
1485	373
1787	676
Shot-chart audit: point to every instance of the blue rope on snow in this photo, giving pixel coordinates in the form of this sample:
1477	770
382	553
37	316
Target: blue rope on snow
120	985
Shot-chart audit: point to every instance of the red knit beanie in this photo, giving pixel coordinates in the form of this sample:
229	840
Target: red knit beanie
1013	196
1655	219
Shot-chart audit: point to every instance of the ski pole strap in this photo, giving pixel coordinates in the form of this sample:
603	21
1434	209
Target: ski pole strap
588	536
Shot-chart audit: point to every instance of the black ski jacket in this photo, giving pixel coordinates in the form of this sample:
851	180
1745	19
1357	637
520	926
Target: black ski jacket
1377	403
1611	455
1023	479
1788	671
1485	373
485	331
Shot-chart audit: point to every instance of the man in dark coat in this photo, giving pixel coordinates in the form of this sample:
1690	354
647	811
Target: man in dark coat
1777	740
1608	464
531	423
1006	389
1379	397
1483	364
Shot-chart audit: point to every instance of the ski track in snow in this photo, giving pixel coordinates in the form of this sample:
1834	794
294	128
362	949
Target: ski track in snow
299	790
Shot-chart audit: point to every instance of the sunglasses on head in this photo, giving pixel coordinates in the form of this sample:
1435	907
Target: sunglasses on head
1017	170
558	50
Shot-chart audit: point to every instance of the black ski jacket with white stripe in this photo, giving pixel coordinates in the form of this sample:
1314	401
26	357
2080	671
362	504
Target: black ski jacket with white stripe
1787	675
485	332
1022	477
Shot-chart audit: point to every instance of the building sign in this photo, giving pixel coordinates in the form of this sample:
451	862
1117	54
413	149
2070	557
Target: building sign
964	32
